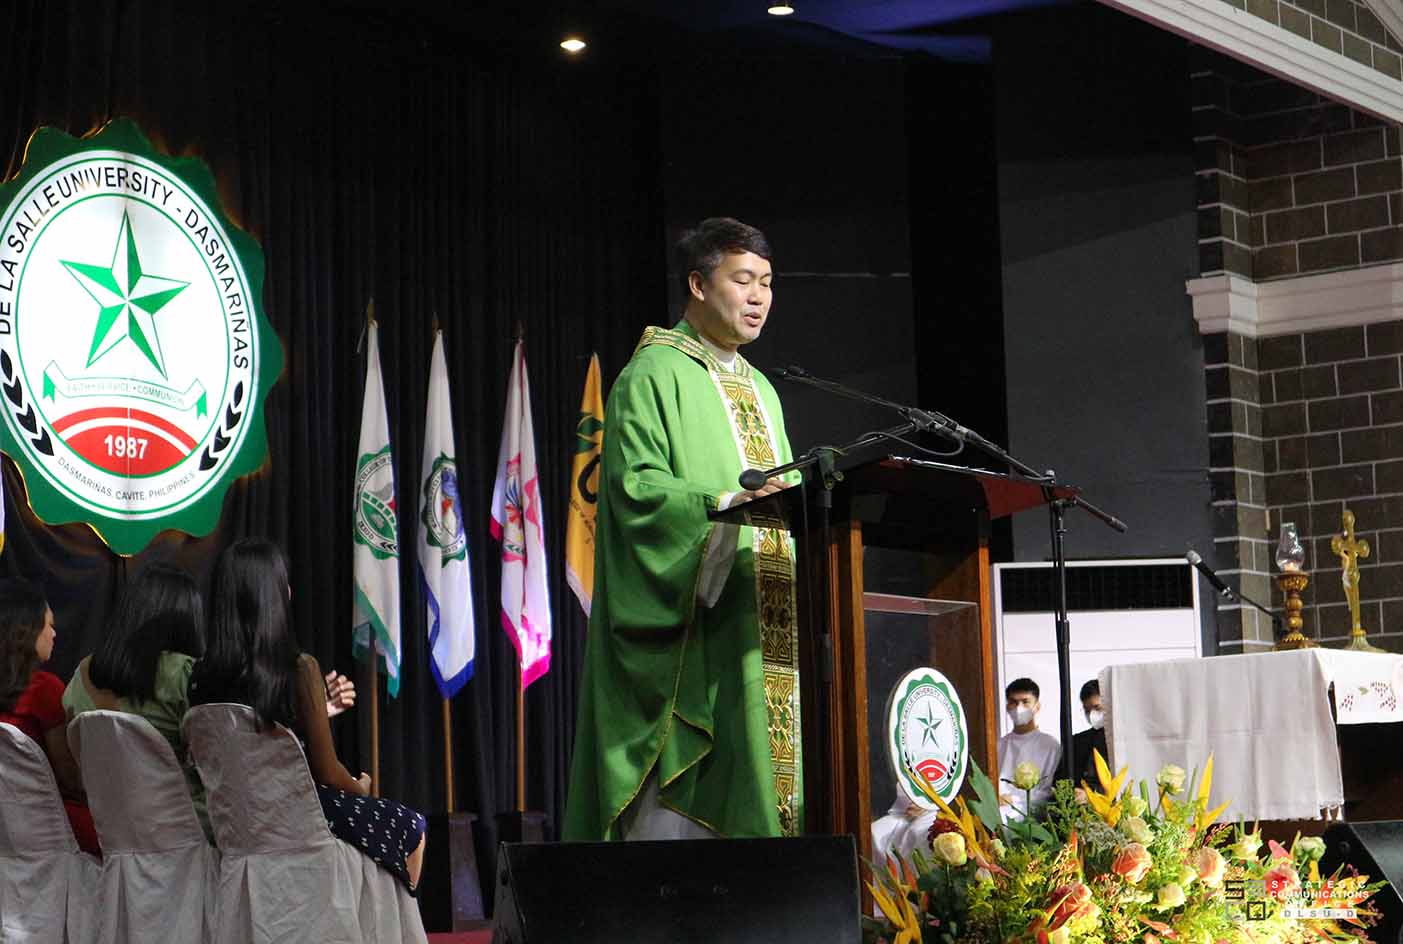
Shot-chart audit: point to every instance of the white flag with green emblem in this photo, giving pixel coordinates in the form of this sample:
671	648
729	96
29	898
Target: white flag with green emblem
375	551
445	573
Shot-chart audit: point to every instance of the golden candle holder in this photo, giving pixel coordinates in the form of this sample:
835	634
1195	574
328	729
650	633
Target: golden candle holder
1292	582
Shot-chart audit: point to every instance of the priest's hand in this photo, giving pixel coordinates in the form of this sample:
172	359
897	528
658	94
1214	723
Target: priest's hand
340	694
769	488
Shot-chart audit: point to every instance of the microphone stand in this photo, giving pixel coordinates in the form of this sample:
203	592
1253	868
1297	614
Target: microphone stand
1228	593
934	422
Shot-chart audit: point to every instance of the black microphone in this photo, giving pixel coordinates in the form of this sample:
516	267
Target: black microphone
1193	558
753	479
792	372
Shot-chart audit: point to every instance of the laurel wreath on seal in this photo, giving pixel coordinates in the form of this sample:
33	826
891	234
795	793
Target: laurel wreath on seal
224	433
24	415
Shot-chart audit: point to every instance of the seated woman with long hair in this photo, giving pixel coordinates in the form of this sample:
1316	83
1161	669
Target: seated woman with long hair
32	699
144	662
253	659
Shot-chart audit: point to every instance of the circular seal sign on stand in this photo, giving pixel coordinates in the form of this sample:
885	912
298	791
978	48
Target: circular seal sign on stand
927	735
134	355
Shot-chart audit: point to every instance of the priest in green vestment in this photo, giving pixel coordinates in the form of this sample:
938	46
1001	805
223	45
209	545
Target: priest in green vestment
689	705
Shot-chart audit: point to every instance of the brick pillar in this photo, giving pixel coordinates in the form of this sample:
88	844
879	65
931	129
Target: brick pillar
1225	224
1242	550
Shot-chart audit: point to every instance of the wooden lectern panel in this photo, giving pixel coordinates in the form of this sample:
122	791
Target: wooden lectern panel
840	795
938	511
967	659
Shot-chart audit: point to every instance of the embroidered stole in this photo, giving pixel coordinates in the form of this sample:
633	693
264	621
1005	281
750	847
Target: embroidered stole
775	598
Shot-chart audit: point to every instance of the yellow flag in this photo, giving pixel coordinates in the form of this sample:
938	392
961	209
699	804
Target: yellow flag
584	488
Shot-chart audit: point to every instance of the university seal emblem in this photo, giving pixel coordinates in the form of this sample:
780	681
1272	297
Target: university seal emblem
927	736
134	355
376	525
442	511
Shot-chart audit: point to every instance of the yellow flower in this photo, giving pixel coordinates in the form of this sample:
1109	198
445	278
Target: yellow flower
896	903
950	849
899	912
1203	816
977	839
1105	803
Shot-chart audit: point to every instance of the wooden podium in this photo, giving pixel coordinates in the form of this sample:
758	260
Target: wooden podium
937	511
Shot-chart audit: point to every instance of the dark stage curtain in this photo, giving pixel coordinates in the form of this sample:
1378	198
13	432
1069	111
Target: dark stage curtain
375	157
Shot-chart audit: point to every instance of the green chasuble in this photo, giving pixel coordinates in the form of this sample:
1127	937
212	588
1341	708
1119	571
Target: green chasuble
706	697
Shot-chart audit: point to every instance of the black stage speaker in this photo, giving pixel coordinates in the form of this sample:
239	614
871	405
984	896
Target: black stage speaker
1376	850
733	890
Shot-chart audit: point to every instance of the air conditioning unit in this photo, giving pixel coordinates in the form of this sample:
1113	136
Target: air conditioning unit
1120	611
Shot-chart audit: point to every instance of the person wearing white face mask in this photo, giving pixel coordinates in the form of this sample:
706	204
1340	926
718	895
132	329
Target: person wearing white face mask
1025	744
1083	767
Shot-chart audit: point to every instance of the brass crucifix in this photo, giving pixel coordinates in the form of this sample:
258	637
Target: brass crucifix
1350	550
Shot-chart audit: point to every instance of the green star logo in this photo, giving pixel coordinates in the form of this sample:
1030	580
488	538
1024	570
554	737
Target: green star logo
928	725
128	299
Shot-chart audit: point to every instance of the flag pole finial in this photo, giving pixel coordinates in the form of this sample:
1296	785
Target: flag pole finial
519	331
365	325
436	328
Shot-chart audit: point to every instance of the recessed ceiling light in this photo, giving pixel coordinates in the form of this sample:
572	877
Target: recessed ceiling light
572	44
780	9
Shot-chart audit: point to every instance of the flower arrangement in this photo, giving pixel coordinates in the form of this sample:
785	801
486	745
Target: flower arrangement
1114	863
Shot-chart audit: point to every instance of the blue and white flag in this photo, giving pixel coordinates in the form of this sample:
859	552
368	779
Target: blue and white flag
445	570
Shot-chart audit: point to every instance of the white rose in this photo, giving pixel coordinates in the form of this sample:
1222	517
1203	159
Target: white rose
1169	896
1137	829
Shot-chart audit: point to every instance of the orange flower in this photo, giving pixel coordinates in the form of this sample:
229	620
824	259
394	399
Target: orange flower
1133	863
1069	902
1282	880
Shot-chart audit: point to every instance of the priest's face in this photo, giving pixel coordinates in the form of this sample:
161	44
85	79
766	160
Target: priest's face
729	306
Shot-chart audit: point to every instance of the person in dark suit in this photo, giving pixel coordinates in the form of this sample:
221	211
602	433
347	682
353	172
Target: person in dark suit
1083	767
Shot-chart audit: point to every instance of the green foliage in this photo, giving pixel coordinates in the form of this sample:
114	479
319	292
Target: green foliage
986	802
1062	814
999	911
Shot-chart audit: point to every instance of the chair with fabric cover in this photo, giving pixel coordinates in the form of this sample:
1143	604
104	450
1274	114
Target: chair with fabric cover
48	887
283	875
160	875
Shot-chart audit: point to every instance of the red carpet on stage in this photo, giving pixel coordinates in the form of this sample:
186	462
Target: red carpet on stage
462	937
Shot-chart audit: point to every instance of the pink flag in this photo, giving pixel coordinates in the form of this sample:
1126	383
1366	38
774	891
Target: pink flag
517	522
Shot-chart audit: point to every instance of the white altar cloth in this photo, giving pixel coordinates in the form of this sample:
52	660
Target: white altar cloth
1265	717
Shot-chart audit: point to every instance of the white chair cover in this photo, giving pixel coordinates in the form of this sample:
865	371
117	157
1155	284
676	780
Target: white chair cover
48	886
284	877
160	876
